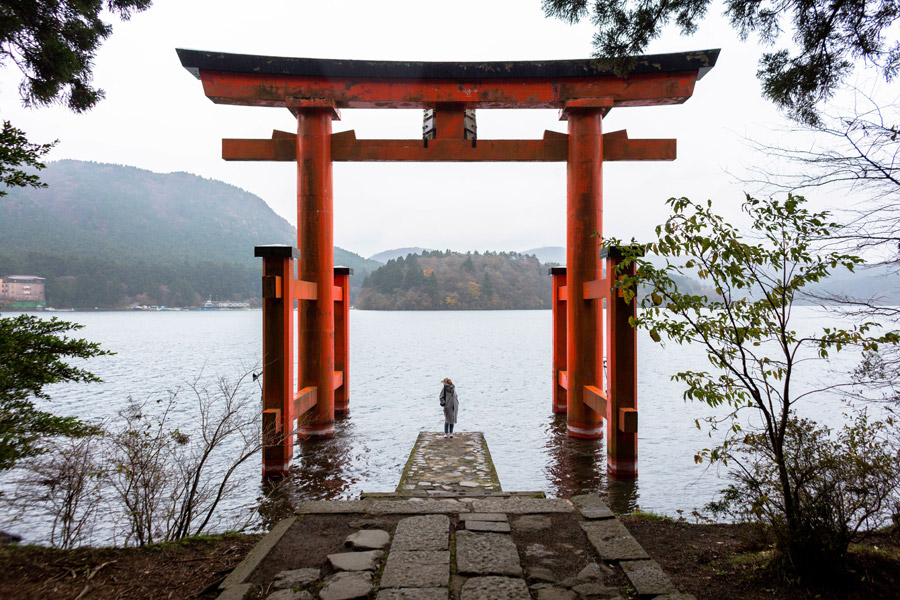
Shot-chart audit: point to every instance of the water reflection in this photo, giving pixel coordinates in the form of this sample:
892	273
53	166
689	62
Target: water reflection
500	361
622	495
328	469
577	466
275	503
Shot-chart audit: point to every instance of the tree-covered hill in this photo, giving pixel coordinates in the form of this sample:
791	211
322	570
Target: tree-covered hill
454	281
386	255
107	235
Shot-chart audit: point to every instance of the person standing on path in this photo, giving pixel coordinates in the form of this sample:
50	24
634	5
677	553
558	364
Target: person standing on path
450	402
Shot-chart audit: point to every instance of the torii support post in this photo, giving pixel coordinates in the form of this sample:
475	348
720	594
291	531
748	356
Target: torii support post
315	221
281	404
621	352
617	402
584	221
560	376
342	339
278	357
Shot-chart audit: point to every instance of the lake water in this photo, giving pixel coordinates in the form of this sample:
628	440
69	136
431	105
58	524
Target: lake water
500	362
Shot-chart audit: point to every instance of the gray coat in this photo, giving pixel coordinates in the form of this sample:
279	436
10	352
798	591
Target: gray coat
450	403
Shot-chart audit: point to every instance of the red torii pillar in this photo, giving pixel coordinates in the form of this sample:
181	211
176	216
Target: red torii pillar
342	340
278	356
579	292
282	404
559	397
616	403
584	221
315	238
621	351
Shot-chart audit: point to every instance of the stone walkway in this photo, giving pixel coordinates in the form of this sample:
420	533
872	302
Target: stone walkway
492	545
457	466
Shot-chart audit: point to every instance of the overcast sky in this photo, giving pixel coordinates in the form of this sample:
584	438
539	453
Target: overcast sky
156	117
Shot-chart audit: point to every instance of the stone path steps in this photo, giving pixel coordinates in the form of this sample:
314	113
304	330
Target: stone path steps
418	565
457	466
466	554
453	540
487	554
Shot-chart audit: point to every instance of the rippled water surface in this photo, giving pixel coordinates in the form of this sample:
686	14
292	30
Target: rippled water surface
499	360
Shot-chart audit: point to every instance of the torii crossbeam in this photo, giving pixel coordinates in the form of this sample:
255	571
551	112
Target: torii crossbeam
315	91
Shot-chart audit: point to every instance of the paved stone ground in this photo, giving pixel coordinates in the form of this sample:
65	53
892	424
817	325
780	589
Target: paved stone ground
440	466
411	546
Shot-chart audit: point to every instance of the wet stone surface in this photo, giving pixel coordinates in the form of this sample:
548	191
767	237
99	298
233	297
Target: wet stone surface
591	506
556	594
320	507
497	517
295	578
368	539
495	588
647	577
612	541
414	594
418	569
347	586
458	465
491	526
593	572
522	505
532	523
355	561
289	595
417	506
486	554
428	532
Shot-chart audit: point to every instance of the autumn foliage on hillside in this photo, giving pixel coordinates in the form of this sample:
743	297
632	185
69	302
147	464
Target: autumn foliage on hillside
449	280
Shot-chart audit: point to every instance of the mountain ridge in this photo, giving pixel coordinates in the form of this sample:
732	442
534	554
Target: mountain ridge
448	280
96	222
385	255
109	235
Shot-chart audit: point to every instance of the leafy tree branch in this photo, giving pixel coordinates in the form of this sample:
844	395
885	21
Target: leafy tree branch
33	354
820	41
747	332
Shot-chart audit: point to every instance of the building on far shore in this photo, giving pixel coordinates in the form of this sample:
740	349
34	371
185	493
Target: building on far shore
22	291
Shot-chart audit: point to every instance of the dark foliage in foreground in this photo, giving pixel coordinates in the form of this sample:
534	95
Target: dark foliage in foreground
827	38
33	354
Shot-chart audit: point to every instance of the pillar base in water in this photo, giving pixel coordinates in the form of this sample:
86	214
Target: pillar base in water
316	431
622	468
586	433
280	470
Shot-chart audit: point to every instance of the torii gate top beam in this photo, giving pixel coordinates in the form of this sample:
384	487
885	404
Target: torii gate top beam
252	80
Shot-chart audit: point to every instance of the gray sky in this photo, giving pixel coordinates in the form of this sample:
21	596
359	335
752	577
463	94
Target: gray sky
155	116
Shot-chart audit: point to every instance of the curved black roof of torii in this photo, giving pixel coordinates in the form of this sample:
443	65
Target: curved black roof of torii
196	60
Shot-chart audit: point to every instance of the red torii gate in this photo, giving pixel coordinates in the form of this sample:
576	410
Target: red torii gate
315	90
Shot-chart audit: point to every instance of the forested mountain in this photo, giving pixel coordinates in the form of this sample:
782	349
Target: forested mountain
438	280
108	235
